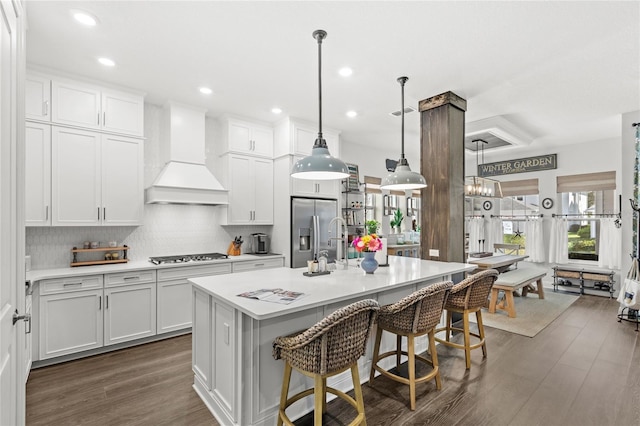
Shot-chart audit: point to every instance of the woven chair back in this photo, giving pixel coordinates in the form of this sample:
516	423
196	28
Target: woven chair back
472	292
332	344
418	312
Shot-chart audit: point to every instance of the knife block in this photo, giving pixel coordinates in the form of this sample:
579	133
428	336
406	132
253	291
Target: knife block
233	250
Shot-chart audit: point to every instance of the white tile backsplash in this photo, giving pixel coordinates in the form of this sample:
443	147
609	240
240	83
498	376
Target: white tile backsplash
167	228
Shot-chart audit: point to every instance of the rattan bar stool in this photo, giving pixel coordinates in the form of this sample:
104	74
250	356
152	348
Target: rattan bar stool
330	347
415	315
468	296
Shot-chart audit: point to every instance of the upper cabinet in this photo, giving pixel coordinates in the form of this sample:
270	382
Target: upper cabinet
244	137
96	179
37	93
250	184
92	107
38	174
296	137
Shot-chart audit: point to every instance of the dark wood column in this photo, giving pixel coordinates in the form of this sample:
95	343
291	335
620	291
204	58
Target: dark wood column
442	165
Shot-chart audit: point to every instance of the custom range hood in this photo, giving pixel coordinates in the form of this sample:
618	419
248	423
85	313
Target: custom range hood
185	179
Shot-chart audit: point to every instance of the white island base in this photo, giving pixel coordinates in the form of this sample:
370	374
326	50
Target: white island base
235	373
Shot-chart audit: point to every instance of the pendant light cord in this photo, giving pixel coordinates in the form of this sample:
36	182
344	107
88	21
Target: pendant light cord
402	81
319	35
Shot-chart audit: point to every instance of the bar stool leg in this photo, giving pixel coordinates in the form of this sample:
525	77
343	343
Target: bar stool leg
448	331
357	390
434	358
324	393
285	391
398	350
467	339
374	360
481	332
319	397
412	371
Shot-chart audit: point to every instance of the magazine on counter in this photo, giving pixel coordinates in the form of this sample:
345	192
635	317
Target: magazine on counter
276	295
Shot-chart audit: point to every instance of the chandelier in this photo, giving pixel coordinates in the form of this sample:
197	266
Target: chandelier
483	187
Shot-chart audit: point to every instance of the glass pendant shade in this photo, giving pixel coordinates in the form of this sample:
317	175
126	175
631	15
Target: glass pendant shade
402	177
320	165
476	186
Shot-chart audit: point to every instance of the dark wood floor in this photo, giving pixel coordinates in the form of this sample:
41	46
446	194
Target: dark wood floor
584	369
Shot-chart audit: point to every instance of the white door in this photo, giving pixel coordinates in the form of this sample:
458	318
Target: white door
241	190
129	312
263	181
12	275
75	104
122	113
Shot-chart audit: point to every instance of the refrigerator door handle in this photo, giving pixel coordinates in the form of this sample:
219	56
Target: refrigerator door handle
316	236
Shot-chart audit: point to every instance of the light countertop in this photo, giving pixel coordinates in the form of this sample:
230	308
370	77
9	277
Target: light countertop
42	274
324	289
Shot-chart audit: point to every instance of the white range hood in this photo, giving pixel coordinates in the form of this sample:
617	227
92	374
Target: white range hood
185	179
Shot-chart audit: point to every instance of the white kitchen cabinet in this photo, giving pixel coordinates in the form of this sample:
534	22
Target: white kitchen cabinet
314	188
252	265
297	137
248	138
37	98
75	104
96	178
75	177
70	322
93	107
174	304
250	185
122	180
122	113
37	174
129	312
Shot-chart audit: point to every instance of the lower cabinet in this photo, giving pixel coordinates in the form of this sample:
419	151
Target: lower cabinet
78	314
129	313
174	294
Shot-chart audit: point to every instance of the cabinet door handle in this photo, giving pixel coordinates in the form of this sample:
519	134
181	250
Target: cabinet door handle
131	278
104	213
46	213
45	108
98	119
104	118
70	284
258	264
98	213
99	303
106	302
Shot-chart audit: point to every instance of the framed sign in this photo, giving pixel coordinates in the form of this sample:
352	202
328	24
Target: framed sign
353	181
521	165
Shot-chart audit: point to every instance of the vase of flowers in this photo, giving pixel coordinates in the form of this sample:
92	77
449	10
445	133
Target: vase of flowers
368	245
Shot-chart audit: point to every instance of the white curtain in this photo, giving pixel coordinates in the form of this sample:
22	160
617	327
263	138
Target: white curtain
476	234
559	244
495	233
534	247
610	251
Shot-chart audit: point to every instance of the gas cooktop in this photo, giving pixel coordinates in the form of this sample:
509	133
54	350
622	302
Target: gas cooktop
183	258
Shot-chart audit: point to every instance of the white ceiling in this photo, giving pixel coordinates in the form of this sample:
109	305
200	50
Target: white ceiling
562	72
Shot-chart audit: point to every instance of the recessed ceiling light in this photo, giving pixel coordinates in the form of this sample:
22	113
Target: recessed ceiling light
345	72
276	110
352	114
84	18
206	90
107	62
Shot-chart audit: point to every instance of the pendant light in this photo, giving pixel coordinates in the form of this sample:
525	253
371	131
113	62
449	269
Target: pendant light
403	178
320	165
481	187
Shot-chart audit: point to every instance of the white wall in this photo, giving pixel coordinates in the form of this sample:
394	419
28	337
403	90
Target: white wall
167	229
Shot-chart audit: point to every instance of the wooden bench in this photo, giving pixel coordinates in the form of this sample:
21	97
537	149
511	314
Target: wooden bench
511	281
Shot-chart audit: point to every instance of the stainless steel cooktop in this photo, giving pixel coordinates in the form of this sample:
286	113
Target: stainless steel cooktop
183	258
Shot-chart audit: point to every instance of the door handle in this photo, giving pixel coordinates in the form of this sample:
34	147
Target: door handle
106	302
45	108
17	317
99	303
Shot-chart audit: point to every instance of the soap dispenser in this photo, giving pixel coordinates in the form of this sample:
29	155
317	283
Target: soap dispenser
322	261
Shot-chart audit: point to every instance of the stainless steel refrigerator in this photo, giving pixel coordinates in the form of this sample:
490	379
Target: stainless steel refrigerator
310	229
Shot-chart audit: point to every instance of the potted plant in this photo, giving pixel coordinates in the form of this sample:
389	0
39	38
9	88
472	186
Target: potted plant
396	221
372	226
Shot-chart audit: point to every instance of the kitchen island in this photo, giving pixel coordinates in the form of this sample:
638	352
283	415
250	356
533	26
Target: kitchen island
234	370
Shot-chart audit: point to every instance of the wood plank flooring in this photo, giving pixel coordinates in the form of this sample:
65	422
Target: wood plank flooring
584	369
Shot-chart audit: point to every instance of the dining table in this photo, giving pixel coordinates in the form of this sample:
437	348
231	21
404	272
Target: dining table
501	262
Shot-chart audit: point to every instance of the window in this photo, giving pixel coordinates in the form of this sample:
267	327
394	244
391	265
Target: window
583	197
520	201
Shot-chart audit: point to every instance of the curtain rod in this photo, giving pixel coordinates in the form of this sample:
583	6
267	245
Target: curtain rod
590	216
522	216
